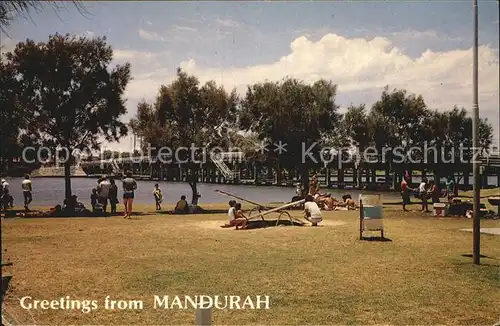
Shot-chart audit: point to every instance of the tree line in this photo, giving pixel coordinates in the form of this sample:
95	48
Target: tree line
65	93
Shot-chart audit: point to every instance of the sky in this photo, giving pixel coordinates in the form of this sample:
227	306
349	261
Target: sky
424	47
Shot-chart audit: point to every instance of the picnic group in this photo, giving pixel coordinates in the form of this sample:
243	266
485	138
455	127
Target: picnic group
102	196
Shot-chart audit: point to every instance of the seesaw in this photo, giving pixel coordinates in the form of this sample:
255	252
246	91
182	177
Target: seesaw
258	207
279	210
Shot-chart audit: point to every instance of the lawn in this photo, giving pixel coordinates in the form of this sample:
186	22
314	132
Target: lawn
323	275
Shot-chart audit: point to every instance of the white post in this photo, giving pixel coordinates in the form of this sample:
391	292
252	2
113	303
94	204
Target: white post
203	317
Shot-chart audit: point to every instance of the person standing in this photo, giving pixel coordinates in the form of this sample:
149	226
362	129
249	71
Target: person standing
129	187
450	189
3	206
314	185
27	191
405	192
8	200
434	192
113	195
103	192
422	191
158	196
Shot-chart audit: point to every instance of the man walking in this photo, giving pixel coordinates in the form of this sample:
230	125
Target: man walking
27	189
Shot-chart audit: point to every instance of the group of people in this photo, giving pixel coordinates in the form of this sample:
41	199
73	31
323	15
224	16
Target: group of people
239	220
7	200
107	191
428	189
325	201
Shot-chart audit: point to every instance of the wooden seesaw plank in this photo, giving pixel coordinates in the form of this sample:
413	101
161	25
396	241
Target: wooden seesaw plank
240	198
277	209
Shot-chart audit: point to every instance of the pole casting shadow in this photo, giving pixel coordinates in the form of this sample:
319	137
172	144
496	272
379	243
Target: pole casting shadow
378	239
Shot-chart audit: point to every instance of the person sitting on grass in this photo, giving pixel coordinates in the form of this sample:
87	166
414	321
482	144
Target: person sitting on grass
182	206
158	196
348	202
55	211
325	201
231	214
312	213
240	220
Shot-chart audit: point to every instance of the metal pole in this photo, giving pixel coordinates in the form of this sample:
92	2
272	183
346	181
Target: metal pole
475	140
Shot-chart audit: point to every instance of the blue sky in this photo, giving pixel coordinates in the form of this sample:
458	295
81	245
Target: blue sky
240	42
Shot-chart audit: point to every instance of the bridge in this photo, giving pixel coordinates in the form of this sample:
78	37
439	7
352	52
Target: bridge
491	160
117	166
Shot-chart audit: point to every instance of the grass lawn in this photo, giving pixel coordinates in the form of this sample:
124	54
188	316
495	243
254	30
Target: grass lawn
323	275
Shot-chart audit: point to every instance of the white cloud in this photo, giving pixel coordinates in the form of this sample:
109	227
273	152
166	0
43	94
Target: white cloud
359	66
227	22
176	33
127	55
184	28
150	36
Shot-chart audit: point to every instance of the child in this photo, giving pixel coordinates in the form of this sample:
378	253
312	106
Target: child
231	214
158	196
240	220
94	199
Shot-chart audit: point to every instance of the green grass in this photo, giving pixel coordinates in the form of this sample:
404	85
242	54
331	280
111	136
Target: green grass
323	275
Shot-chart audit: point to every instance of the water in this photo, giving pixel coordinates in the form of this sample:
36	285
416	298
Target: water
50	191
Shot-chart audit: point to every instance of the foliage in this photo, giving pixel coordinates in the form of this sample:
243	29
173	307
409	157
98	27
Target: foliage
68	88
188	115
11	10
293	113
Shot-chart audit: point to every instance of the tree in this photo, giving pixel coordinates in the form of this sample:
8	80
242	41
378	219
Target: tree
356	127
11	118
69	89
450	133
13	9
398	124
293	113
187	115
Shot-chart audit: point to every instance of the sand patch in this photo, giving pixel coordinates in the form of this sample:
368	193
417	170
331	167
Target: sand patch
216	225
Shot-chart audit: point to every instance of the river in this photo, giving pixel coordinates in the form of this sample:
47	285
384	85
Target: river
50	191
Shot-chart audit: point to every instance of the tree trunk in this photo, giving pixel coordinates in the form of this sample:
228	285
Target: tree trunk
67	178
304	175
279	174
194	191
193	183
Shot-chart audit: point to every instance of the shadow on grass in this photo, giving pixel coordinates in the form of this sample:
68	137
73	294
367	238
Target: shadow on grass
271	223
268	223
38	214
377	239
480	256
202	211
